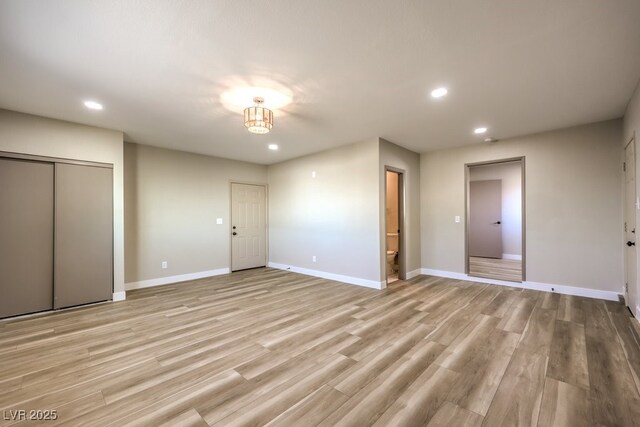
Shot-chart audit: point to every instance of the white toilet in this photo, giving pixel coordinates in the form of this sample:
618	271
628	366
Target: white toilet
392	251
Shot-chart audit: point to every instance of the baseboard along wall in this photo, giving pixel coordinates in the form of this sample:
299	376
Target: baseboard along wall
331	276
537	286
175	279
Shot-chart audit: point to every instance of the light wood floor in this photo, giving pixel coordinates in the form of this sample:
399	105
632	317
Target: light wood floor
267	346
501	269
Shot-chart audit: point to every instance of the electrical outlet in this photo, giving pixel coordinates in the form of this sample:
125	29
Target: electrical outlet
164	264
313	258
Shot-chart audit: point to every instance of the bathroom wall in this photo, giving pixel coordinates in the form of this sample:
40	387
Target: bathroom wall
392	202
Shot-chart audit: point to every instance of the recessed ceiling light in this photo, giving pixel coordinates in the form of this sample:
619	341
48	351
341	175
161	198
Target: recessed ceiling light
273	147
439	92
490	139
480	130
93	105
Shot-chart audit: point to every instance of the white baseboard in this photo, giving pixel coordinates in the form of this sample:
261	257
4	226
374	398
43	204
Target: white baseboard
537	286
119	296
175	279
414	273
331	276
512	256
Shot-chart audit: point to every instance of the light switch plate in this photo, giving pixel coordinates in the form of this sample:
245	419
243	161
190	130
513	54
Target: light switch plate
457	219
218	220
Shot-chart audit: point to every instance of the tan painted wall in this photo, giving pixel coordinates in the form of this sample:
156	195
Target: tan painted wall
409	162
25	133
172	201
573	205
334	216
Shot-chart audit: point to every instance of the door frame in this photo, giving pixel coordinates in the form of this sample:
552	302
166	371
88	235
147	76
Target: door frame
402	250
625	292
266	219
467	167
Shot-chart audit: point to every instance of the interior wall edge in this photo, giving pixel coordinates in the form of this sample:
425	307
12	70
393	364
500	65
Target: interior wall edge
119	296
414	273
536	286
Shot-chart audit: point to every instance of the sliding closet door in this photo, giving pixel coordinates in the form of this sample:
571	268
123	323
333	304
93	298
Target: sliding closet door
26	237
83	235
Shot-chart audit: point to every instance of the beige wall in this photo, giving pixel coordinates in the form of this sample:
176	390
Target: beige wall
172	201
631	125
28	134
400	158
511	176
334	216
392	202
573	205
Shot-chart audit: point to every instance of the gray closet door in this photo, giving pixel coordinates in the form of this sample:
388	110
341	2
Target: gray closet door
83	235
26	237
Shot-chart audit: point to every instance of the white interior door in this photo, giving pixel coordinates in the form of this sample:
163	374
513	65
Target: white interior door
248	226
630	227
485	218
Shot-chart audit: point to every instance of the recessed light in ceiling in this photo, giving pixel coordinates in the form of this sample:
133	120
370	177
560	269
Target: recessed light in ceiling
93	105
439	92
490	139
480	130
273	147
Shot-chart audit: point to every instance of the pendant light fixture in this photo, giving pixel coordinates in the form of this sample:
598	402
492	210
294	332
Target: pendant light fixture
258	119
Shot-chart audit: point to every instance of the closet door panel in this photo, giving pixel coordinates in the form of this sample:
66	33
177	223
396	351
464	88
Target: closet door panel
83	235
26	237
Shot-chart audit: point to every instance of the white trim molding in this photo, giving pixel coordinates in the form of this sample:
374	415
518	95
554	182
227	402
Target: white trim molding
119	296
414	273
331	276
512	256
175	279
537	286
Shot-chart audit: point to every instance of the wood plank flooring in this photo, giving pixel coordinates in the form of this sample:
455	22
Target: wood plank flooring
500	269
268	347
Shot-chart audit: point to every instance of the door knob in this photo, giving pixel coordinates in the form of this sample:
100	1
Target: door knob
497	222
234	233
630	243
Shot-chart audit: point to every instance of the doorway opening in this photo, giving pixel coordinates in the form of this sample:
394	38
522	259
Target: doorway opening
630	207
394	256
495	226
248	226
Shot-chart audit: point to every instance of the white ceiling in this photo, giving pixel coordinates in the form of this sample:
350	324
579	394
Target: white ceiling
354	68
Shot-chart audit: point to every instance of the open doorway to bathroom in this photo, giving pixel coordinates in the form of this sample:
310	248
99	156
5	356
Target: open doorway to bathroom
394	224
496	219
